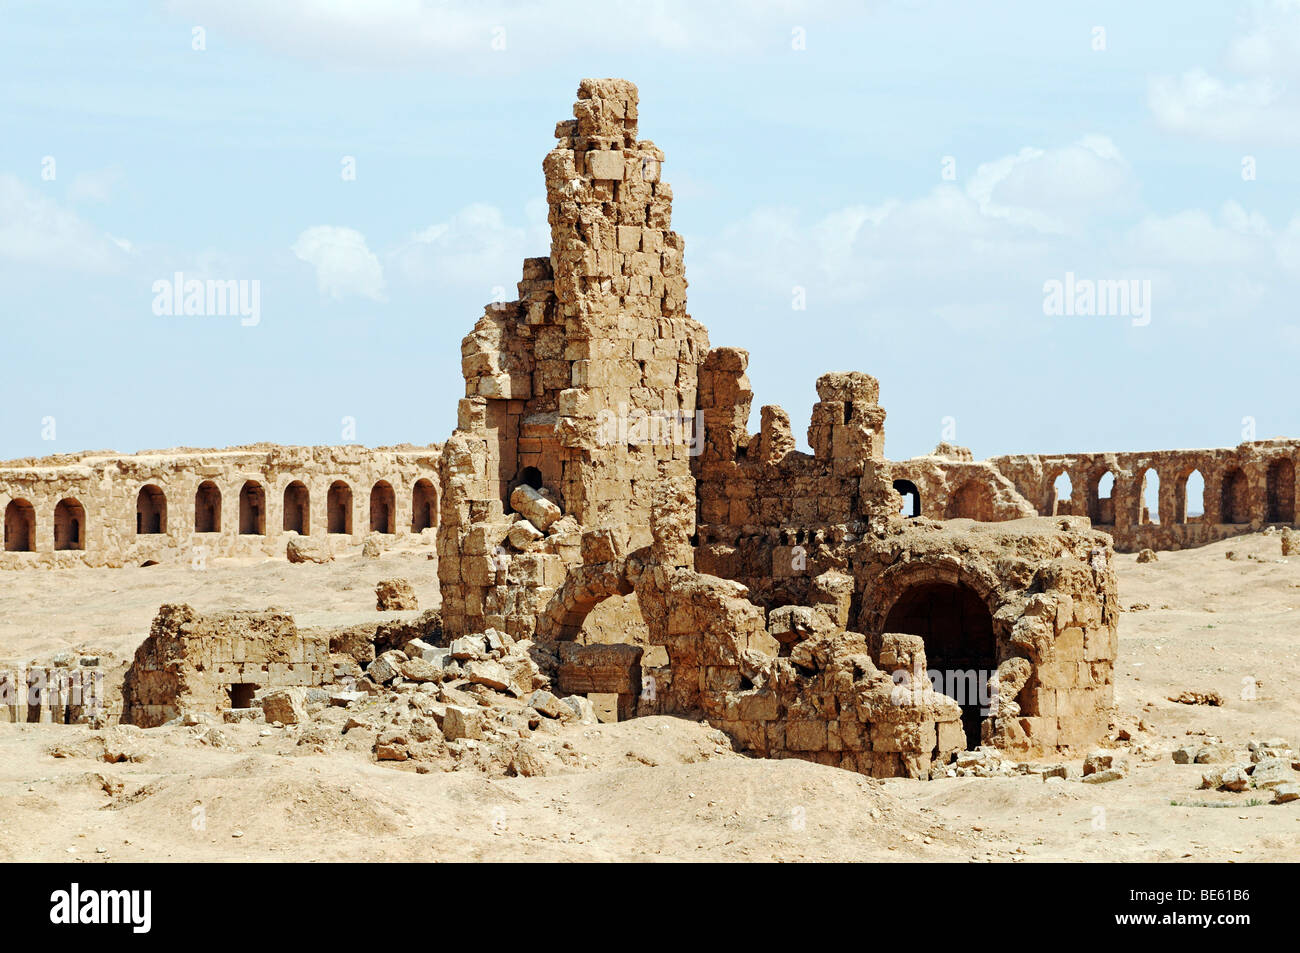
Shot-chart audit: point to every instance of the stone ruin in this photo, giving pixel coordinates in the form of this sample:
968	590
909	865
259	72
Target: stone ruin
602	458
185	505
601	451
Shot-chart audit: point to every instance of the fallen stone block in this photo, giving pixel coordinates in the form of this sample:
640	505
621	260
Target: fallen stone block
489	673
304	549
534	507
605	706
288	706
393	595
458	722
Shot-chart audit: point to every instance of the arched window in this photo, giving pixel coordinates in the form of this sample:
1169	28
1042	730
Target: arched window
1189	498
1281	492
150	511
1062	495
338	504
911	497
424	506
383	506
20	527
1234	498
207	508
252	509
69	525
297	509
1149	501
1103	510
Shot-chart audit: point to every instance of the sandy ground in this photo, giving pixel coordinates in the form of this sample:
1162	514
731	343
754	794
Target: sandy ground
654	788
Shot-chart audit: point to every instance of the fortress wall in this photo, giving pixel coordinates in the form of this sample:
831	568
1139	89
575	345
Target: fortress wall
103	509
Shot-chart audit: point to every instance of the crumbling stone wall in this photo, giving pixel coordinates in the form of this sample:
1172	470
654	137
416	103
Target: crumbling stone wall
572	388
1246	488
104	509
207	663
775	612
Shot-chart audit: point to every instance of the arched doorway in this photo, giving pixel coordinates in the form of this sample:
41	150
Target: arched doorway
1234	501
960	647
69	525
911	497
383	508
207	508
424	506
150	511
1102	510
252	509
1149	498
1189	498
20	527
338	503
1281	492
297	509
1062	496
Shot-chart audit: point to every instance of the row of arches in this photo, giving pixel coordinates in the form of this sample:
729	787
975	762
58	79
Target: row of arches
1188	499
151	513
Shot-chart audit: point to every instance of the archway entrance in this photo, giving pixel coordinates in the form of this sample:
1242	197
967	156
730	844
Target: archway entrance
69	525
960	648
1281	492
20	527
383	508
911	497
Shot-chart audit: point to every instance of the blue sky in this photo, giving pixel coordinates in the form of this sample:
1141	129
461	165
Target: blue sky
1107	140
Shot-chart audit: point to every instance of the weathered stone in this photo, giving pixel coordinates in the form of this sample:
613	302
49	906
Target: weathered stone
395	595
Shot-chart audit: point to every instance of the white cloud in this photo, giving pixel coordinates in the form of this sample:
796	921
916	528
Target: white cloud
344	265
476	246
37	230
1262	105
95	186
978	257
433	34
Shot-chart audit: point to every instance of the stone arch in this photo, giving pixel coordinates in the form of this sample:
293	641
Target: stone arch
960	645
69	524
1189	496
424	506
1145	514
1061	498
581	591
911	497
252	509
338	508
973	500
1280	487
20	527
207	508
383	508
297	509
150	511
1101	499
1234	497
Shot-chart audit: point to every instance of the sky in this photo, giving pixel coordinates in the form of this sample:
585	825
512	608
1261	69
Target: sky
924	191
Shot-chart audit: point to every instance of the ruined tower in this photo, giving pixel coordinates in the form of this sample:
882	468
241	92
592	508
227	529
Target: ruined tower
585	387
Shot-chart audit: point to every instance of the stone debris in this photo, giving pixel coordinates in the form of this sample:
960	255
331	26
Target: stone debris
304	549
1147	556
1189	697
395	595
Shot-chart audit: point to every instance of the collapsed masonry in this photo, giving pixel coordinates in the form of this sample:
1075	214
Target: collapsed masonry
601	452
